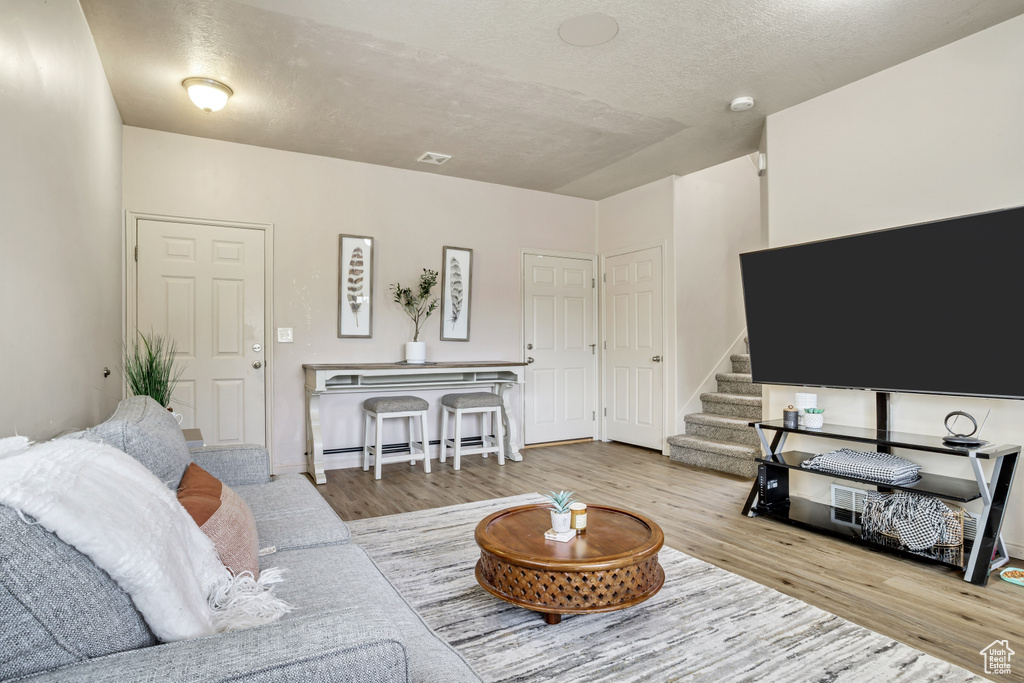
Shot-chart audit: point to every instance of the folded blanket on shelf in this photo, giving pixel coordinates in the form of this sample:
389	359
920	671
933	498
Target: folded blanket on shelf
881	467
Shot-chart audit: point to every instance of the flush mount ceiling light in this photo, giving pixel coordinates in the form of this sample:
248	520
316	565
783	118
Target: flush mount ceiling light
588	30
742	104
207	94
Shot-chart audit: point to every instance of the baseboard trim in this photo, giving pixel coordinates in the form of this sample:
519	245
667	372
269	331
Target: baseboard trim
557	443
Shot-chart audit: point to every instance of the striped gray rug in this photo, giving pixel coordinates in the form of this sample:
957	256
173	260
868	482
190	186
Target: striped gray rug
705	624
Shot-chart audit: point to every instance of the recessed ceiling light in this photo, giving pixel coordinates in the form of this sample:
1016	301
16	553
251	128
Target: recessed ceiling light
588	30
434	158
742	104
207	94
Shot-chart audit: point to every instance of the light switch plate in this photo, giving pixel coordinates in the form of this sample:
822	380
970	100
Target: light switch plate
284	335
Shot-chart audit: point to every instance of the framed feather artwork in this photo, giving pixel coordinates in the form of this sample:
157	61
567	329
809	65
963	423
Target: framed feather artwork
355	286
456	288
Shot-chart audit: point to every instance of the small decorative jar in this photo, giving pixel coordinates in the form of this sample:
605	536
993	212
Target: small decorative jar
579	517
791	418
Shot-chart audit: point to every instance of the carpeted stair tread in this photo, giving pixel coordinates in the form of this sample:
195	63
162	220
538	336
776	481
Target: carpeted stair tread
730	450
734	377
723	421
737	399
740	362
721	428
713	461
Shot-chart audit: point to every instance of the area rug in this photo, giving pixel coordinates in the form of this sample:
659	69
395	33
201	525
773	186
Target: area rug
705	624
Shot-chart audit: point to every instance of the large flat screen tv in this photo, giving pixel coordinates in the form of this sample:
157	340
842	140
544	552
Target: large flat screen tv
933	308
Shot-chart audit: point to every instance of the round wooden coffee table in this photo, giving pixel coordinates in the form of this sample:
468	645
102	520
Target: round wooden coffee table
612	565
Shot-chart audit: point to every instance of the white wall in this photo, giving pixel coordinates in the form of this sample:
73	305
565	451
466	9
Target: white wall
717	217
310	200
937	136
639	218
60	189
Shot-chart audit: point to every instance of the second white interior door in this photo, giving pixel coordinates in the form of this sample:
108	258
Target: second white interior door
560	335
633	361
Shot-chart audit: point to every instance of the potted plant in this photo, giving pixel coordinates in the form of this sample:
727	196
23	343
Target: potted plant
560	512
418	305
149	368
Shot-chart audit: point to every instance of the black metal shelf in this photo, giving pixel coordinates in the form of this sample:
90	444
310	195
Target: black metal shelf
917	442
845	524
949	488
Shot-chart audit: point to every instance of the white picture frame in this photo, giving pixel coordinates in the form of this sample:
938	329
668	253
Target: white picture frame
356	257
456	293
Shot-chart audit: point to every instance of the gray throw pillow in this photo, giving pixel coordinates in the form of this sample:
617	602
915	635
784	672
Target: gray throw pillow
149	433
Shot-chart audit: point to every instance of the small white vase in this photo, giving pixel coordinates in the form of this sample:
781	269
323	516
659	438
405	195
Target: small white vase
415	352
560	521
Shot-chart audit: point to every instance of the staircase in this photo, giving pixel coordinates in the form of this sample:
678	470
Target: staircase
718	438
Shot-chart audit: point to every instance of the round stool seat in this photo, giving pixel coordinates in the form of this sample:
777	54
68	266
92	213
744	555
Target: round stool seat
480	399
394	404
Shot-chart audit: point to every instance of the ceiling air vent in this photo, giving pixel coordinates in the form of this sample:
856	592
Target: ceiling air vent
434	158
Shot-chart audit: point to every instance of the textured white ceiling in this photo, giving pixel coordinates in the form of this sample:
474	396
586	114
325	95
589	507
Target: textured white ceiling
492	84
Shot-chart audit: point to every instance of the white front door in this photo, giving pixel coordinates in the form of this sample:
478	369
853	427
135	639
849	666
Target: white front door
203	285
633	318
560	335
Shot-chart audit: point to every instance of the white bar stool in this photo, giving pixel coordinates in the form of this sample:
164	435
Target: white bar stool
484	403
381	408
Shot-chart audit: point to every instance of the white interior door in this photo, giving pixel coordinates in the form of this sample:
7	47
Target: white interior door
634	379
203	285
560	335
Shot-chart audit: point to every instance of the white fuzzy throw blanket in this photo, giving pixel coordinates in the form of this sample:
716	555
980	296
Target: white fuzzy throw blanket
116	512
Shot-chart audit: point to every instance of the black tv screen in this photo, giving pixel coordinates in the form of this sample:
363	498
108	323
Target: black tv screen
932	308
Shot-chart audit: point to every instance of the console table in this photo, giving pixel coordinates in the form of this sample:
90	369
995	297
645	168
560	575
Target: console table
499	376
770	494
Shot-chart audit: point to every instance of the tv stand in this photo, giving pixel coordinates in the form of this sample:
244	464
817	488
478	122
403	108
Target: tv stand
770	495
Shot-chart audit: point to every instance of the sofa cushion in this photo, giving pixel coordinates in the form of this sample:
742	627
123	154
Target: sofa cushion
343	580
224	517
290	513
149	433
56	606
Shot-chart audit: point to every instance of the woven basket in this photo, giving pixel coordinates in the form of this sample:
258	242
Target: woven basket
953	537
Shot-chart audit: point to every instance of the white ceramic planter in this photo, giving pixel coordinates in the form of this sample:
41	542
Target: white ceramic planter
560	521
814	420
415	352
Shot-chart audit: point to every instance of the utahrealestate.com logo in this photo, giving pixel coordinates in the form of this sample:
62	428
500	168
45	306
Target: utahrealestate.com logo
997	657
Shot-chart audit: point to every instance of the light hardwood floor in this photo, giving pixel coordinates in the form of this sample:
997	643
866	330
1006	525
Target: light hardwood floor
927	607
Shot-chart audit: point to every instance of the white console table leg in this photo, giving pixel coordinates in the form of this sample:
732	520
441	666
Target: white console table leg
508	420
314	439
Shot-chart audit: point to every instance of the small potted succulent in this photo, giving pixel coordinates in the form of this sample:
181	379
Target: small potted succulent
560	513
814	418
418	305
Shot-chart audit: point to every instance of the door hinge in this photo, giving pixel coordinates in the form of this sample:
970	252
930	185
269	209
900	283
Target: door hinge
593	415
606	412
606	345
593	283
604	277
136	252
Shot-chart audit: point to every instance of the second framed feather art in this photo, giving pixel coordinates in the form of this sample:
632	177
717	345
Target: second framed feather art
456	288
355	286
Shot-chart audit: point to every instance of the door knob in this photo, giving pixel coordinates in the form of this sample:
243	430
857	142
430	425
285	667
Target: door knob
529	360
657	359
257	364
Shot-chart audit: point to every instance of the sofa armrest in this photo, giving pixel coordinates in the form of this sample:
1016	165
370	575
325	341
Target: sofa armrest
234	464
297	649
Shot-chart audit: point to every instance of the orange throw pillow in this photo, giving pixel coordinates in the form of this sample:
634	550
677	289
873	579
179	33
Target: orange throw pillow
224	517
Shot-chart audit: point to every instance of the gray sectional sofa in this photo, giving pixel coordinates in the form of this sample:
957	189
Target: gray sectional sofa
63	619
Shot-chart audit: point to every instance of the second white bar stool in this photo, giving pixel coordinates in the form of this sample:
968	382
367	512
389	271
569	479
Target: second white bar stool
380	408
493	434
